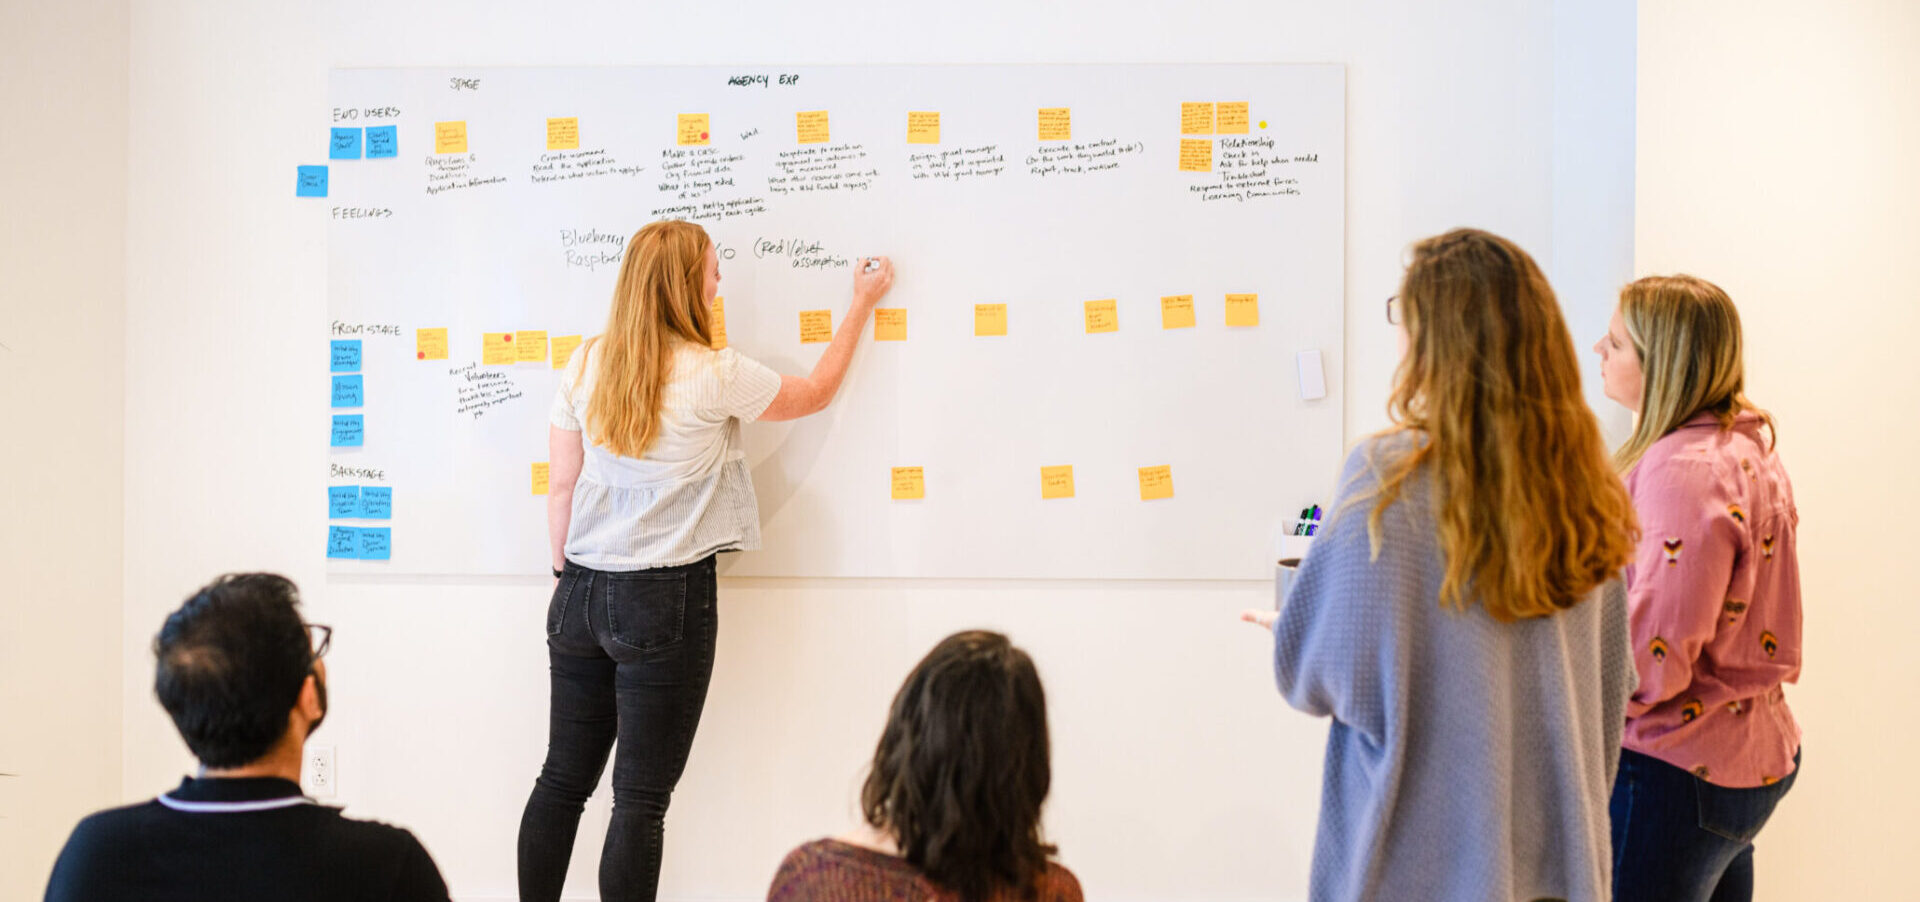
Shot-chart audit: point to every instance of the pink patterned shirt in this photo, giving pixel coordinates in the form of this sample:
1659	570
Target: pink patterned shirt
1714	604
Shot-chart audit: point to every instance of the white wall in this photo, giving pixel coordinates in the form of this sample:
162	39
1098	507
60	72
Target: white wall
63	179
1777	152
1179	774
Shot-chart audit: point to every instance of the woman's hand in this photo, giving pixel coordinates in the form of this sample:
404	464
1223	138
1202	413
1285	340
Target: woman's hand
870	287
1259	618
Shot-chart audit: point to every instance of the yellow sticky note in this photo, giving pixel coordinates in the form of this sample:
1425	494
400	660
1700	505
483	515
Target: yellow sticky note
718	325
1196	119
923	128
1156	483
693	129
430	344
1243	310
816	326
909	484
1176	312
496	349
563	134
450	137
1056	482
540	469
1196	155
1103	316
812	127
563	348
989	319
530	346
1232	118
1056	124
890	324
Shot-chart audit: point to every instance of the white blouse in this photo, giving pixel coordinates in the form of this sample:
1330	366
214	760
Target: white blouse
690	494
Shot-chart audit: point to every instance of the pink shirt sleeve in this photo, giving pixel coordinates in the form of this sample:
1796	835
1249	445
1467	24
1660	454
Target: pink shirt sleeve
1693	536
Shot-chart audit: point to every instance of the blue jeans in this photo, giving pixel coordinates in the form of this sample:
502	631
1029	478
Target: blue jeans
630	656
1678	838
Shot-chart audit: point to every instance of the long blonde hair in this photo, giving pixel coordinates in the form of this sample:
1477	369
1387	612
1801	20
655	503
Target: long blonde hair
659	299
1687	334
1531	513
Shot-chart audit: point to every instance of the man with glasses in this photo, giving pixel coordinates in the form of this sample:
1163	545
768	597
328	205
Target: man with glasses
241	675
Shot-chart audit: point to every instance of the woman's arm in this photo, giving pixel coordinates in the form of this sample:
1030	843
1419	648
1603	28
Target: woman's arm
1691	532
565	454
810	394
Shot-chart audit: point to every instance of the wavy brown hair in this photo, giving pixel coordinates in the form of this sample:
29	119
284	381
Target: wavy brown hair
1686	332
962	768
659	299
1531	513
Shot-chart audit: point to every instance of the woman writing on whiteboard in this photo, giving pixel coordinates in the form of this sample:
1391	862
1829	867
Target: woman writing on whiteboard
1460	617
648	484
1714	600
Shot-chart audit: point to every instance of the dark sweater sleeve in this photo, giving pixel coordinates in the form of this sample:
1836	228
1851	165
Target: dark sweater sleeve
77	874
418	878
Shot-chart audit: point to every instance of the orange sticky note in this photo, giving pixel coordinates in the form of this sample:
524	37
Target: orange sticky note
989	319
890	324
430	344
693	131
909	484
816	326
1056	124
1196	119
718	324
1232	118
1196	155
1156	483
496	349
812	126
923	128
1056	482
563	348
540	469
563	134
450	137
1103	316
1176	311
530	346
1243	310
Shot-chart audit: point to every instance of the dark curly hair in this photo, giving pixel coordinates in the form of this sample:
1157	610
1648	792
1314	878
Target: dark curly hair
962	769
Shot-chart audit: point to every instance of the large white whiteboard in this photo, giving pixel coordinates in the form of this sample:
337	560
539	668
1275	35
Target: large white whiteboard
492	241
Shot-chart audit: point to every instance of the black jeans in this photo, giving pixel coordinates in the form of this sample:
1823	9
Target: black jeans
631	655
1678	838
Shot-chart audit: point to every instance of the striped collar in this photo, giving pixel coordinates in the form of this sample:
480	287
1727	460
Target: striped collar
234	796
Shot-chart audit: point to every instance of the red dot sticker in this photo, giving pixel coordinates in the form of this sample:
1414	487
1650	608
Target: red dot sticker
703	136
420	355
509	337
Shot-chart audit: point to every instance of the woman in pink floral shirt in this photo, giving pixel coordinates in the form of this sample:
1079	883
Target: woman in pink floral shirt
1713	600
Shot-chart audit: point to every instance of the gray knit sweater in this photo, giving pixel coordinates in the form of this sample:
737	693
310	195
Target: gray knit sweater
1468	759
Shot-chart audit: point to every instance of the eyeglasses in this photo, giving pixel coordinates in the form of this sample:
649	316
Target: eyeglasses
1394	310
321	638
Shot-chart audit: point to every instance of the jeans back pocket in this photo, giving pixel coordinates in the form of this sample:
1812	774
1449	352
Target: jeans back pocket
562	602
646	610
1736	814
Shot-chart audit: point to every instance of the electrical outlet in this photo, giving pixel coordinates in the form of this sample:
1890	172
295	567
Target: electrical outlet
320	774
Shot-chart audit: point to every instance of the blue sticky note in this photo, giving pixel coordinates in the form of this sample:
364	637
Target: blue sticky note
312	182
376	502
383	141
346	355
343	501
346	391
344	145
343	542
349	430
376	543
